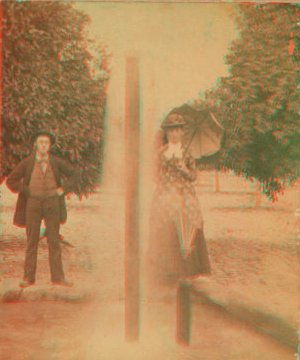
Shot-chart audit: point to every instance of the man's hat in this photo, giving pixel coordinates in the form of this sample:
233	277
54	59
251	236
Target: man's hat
173	120
44	133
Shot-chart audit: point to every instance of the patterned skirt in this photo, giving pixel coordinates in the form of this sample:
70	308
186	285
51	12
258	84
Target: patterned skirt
176	226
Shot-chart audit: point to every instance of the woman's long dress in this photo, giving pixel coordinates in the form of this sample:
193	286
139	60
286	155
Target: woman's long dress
176	246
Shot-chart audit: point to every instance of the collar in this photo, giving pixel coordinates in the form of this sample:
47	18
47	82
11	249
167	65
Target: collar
41	159
177	146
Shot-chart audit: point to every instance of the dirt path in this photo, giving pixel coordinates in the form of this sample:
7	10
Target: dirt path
95	331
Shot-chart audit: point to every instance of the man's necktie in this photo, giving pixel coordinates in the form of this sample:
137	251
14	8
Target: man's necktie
44	164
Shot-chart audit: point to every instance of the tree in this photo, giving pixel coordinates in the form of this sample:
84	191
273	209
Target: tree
53	78
258	103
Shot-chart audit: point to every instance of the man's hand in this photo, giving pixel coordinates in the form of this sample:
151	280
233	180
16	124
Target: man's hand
60	191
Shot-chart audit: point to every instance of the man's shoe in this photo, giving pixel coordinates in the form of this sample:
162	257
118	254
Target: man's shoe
63	283
26	283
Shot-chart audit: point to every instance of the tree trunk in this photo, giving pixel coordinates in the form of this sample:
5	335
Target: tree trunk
258	195
217	182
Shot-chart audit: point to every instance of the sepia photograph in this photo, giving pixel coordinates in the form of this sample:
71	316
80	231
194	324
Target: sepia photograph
150	180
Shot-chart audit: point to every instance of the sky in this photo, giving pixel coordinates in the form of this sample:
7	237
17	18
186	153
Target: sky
181	49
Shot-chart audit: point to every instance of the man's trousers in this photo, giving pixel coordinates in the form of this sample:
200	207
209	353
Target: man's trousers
49	210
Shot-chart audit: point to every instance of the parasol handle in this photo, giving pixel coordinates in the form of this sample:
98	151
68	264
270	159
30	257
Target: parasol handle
192	137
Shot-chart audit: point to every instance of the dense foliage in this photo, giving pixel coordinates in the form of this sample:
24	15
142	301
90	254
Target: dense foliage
53	78
258	103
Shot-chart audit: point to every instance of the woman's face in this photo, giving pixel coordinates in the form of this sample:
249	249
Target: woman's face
174	134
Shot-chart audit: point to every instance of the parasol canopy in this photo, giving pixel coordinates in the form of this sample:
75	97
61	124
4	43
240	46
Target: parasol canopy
202	132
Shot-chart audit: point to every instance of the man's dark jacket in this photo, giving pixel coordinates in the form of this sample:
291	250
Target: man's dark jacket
67	177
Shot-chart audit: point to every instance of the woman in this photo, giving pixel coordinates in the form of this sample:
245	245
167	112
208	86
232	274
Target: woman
177	245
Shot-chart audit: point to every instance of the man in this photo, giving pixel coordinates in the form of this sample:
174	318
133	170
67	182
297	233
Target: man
42	180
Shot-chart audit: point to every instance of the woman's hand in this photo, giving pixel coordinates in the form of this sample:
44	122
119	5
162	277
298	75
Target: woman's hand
60	191
181	165
188	168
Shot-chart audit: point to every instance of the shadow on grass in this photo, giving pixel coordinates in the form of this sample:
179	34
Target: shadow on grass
247	208
83	207
10	242
19	295
205	189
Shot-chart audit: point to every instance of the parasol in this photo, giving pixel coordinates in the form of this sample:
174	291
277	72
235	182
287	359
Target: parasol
202	132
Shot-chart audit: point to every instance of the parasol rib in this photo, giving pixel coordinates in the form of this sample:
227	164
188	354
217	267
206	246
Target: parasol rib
216	121
207	134
192	137
202	131
200	141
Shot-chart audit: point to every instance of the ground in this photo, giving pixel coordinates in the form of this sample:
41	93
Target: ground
254	250
254	257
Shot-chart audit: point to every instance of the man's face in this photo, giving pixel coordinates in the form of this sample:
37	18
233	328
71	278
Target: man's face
174	134
43	144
